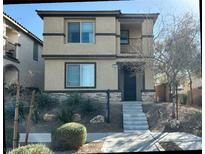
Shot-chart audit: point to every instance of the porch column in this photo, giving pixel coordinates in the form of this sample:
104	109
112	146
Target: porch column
148	94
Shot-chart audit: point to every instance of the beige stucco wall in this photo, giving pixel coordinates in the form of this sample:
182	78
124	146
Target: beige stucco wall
55	45
147	37
27	64
106	74
149	77
102	45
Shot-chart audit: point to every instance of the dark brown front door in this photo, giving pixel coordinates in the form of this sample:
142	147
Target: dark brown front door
129	86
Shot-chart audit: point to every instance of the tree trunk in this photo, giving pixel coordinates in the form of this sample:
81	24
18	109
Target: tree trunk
173	102
170	95
190	86
29	117
177	105
16	117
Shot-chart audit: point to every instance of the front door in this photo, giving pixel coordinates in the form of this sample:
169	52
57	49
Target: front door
129	86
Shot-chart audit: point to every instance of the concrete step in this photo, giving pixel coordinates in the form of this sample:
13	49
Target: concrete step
128	114
132	111
134	119
132	105
126	118
128	127
132	108
139	122
132	102
134	131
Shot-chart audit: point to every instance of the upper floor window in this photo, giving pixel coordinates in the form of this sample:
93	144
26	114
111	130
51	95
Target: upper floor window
124	37
35	51
81	32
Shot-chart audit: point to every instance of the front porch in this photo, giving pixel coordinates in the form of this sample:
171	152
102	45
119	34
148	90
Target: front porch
135	81
131	82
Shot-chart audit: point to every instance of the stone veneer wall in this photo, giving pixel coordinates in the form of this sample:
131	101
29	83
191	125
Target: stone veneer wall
100	96
148	96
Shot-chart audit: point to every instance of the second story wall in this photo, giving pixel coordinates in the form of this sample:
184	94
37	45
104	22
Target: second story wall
56	36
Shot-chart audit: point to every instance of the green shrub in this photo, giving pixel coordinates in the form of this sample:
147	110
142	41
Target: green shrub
69	136
198	100
66	115
9	137
9	111
11	89
88	107
44	101
32	149
183	98
198	119
74	99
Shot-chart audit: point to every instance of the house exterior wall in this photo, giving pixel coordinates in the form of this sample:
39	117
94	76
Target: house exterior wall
106	75
25	57
57	51
57	45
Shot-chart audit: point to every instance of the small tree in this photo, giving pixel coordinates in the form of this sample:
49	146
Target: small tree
175	53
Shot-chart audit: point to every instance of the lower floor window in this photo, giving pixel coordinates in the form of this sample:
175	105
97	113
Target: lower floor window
80	75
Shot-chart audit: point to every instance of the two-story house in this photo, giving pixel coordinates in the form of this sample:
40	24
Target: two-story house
83	50
22	55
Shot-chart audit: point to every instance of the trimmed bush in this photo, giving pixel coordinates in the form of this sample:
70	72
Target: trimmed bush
32	149
69	136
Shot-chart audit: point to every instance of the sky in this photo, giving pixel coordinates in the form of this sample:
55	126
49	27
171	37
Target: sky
26	15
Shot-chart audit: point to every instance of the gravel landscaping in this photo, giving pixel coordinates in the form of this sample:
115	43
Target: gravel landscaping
92	147
170	146
159	113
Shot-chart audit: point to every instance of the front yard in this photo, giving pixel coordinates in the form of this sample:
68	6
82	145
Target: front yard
115	124
190	119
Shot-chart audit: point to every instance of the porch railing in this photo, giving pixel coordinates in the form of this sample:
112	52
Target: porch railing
10	49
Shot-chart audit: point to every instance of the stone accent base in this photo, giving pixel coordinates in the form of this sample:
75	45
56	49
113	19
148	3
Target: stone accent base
100	96
148	96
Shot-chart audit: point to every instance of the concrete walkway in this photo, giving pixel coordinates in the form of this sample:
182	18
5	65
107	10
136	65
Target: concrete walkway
134	119
129	142
149	141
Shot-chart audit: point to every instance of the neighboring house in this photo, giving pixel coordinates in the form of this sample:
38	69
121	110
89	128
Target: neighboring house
22	55
83	49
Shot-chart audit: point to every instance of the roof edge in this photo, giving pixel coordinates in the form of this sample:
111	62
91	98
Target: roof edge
117	13
43	13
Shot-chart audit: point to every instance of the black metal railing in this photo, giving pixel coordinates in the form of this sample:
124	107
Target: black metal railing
10	50
108	106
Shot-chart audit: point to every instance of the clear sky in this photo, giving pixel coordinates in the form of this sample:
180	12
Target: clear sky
26	14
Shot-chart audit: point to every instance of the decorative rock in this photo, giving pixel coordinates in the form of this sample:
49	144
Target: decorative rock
148	96
97	119
76	117
174	123
49	117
